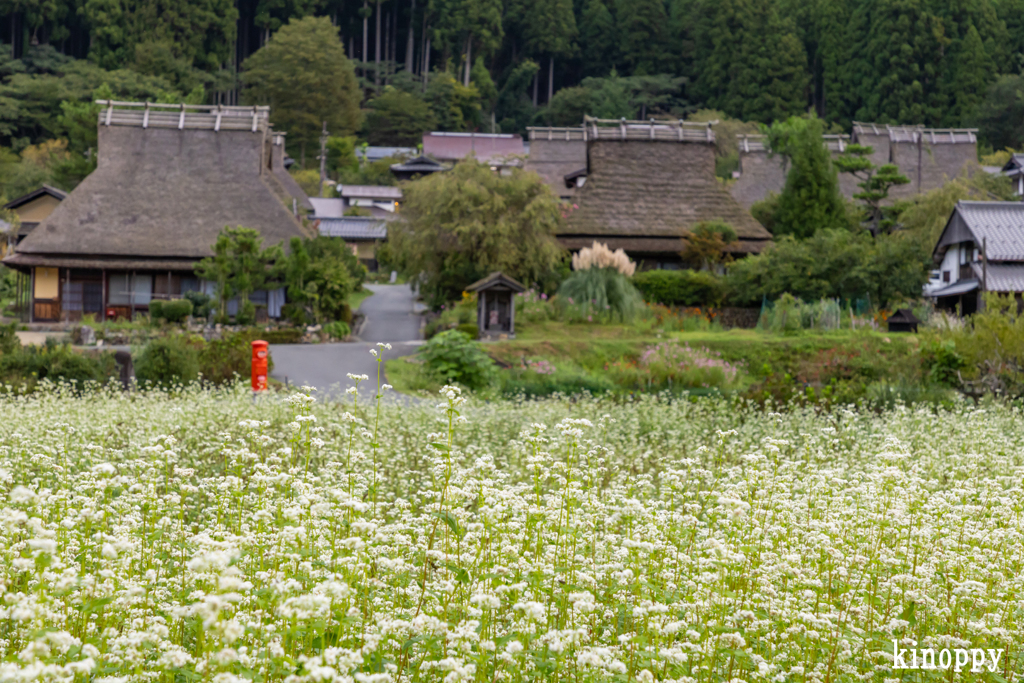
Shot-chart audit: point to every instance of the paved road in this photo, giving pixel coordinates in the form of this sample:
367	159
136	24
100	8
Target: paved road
391	317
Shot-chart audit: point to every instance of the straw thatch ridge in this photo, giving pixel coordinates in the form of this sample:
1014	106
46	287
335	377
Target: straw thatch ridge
165	193
657	189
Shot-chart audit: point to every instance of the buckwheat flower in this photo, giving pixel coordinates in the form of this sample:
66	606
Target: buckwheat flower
351	391
373	352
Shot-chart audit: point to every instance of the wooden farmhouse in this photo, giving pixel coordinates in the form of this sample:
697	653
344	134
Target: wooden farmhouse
980	250
645	184
33	207
169	178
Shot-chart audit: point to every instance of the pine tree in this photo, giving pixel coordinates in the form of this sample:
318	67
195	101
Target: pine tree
598	41
643	36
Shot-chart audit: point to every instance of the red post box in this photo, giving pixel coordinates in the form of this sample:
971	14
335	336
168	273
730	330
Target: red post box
259	365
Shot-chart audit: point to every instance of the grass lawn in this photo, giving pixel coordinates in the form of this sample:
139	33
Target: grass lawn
355	299
842	364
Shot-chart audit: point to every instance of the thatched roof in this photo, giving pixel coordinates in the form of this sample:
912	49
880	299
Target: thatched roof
655	188
166	192
281	174
556	153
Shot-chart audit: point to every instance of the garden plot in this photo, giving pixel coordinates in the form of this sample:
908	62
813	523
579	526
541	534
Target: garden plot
197	535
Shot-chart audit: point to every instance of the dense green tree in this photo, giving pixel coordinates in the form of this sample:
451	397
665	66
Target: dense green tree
305	77
240	265
31	96
810	200
456	107
753	65
199	33
973	72
598	40
1001	113
469	28
514	109
833	264
643	36
461	225
551	32
898	57
319	276
398	118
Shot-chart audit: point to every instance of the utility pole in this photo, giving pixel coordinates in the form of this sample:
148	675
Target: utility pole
323	158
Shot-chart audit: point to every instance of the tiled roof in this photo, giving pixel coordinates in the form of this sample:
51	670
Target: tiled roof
1000	277
1000	225
328	207
354	228
486	147
386	192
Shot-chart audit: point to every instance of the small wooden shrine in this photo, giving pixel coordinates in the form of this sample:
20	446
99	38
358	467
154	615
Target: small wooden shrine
903	320
496	306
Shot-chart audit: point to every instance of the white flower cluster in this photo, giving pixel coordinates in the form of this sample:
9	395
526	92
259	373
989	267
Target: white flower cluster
151	537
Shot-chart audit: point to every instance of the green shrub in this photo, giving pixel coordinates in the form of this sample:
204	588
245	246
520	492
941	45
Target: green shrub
167	361
338	329
453	357
942	363
471	330
542	379
285	335
177	310
222	359
201	306
602	293
9	341
156	310
680	287
51	361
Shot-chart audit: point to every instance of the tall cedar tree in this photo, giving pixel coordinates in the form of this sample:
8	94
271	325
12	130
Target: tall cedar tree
466	29
810	200
753	65
550	33
897	63
643	36
305	77
199	33
461	225
598	41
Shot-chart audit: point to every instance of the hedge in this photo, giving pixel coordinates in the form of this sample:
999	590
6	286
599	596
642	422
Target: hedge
680	287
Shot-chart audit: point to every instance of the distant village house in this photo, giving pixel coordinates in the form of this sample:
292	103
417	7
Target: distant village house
169	179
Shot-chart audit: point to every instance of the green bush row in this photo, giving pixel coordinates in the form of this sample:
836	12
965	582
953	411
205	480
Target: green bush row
680	287
180	358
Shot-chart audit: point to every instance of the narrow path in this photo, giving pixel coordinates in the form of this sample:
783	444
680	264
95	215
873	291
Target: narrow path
391	317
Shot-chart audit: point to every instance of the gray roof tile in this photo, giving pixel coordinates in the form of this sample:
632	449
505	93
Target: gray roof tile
1000	223
354	228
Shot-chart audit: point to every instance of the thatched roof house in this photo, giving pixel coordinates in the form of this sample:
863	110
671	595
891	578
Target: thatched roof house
927	156
558	155
169	178
647	184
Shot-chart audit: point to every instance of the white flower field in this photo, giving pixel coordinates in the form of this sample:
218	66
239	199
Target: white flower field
202	536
